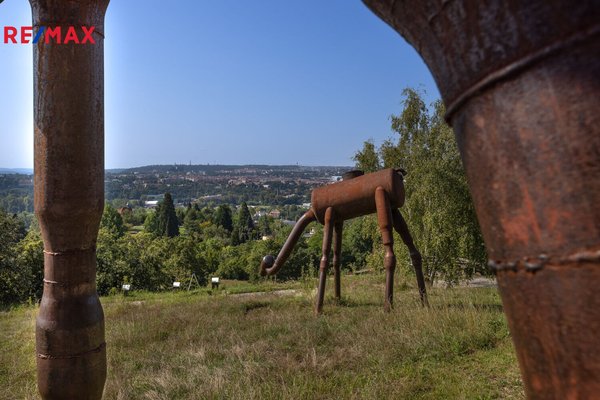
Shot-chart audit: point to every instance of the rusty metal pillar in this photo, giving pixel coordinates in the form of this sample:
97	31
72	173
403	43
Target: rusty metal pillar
521	84
69	197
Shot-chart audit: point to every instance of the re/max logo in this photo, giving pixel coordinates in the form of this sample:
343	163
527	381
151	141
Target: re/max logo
56	35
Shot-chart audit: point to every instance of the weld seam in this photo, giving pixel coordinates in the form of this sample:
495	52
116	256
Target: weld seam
69	252
67	357
533	264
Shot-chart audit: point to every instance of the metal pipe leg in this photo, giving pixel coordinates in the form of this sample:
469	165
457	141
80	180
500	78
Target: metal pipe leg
384	218
417	261
271	265
327	235
337	257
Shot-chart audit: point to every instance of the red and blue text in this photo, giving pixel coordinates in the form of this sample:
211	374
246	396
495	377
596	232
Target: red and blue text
46	34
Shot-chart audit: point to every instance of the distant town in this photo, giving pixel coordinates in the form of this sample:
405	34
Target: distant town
257	185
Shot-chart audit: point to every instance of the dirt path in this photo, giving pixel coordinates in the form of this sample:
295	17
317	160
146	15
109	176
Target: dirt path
279	293
479	282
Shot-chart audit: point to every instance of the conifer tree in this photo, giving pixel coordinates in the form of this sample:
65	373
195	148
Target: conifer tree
168	223
224	217
245	225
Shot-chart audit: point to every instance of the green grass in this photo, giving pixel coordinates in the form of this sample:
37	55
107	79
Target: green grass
192	345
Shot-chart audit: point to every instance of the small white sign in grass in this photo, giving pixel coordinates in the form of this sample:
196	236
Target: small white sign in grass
214	282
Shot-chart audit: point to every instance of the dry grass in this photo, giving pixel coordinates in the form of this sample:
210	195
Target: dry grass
196	346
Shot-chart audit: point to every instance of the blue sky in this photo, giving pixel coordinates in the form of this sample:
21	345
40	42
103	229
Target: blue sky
229	82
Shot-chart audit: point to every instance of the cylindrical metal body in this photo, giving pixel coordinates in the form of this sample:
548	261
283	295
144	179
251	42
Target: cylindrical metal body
355	197
69	198
521	83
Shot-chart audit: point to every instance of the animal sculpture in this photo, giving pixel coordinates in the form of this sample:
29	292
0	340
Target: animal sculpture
356	195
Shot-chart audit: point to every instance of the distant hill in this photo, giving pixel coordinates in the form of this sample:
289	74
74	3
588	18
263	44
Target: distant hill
26	171
211	168
207	168
205	185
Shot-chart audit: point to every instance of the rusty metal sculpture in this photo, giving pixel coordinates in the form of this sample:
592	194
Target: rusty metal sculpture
381	192
521	83
69	198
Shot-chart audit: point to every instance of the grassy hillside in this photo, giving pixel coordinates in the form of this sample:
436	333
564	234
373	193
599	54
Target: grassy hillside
254	346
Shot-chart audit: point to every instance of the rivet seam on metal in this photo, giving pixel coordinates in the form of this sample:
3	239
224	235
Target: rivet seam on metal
69	252
584	256
70	356
532	264
517	66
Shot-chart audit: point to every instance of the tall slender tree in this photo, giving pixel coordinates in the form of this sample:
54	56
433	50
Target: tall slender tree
168	223
224	217
245	224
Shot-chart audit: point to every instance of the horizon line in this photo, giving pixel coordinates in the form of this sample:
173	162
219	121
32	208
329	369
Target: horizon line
198	165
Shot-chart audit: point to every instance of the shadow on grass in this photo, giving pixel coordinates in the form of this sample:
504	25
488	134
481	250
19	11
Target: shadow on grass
254	305
15	307
476	306
352	303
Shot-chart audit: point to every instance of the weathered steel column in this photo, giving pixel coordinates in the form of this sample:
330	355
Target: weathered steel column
69	197
521	83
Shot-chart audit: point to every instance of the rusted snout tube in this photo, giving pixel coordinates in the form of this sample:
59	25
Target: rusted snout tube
271	265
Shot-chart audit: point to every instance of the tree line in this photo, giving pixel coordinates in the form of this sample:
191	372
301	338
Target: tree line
152	249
